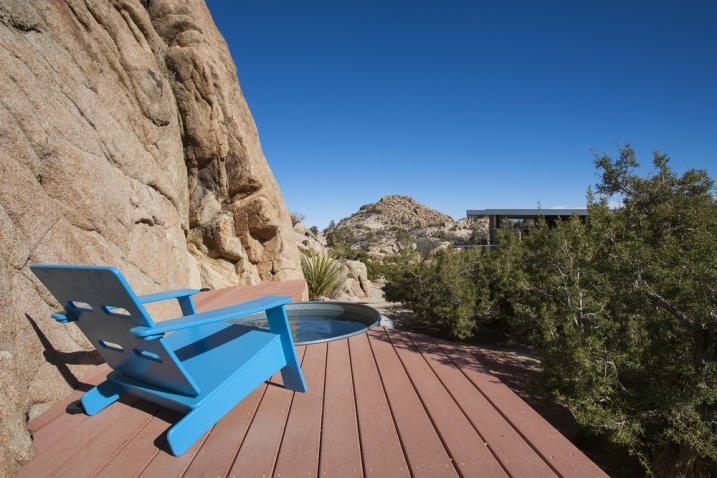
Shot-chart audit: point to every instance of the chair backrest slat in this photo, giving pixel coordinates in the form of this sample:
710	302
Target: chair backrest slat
102	304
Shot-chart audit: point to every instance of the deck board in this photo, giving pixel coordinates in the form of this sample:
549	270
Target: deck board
84	430
302	436
164	464
380	445
216	298
45	429
546	440
384	403
340	451
424	451
468	449
517	457
135	456
86	462
219	450
257	455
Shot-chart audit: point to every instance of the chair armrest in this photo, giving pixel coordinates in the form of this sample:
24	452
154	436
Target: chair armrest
61	318
217	315
183	296
169	294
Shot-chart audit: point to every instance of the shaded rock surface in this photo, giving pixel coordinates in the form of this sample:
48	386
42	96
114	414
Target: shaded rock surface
124	140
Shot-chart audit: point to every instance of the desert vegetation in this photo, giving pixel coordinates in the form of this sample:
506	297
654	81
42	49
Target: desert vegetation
620	306
322	273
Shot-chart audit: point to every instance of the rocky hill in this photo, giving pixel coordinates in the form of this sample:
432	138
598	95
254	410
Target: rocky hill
382	230
396	211
396	221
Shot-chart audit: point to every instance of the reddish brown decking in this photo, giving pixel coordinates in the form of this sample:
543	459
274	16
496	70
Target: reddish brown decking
213	299
384	403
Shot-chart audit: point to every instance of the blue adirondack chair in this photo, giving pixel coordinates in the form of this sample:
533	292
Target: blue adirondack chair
198	364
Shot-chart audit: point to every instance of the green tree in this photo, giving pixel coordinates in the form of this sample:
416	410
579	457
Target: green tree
661	257
626	308
622	307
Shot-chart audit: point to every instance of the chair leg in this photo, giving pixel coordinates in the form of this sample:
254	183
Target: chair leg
187	431
100	397
293	378
190	428
291	374
222	400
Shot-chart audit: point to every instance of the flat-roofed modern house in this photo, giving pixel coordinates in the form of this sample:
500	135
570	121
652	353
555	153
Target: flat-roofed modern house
520	219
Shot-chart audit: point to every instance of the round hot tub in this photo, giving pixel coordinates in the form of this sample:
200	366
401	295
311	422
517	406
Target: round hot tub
314	322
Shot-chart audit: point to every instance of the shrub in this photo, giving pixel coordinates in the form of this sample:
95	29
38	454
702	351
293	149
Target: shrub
322	274
440	290
338	236
374	269
426	246
297	217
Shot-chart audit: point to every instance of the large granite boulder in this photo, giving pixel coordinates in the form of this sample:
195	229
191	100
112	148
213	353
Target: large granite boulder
124	140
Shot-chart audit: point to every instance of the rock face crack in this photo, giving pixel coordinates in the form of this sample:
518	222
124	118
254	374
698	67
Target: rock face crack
227	173
157	80
124	140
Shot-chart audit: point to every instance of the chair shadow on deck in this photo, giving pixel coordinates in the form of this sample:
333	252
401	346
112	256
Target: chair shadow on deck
60	360
199	364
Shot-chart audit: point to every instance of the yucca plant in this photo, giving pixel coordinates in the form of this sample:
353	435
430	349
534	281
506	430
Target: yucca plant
321	272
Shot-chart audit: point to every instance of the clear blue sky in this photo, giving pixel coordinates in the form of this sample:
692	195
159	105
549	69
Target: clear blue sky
470	104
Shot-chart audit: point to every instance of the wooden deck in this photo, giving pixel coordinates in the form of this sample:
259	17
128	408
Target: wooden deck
384	403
